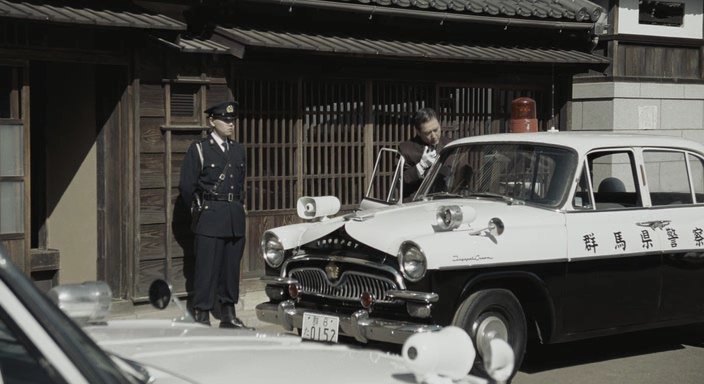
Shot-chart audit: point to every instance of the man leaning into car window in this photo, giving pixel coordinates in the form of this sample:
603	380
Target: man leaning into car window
212	176
421	152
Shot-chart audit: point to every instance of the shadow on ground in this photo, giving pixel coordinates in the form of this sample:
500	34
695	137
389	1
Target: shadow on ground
541	358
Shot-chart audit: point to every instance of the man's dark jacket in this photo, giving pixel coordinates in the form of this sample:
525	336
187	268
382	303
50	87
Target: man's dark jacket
412	151
220	218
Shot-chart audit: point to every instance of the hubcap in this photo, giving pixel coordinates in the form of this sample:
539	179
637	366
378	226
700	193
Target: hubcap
489	328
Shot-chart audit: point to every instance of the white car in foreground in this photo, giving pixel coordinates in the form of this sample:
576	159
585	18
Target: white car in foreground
553	235
40	344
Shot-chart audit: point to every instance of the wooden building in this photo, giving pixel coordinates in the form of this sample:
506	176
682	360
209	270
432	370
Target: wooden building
99	101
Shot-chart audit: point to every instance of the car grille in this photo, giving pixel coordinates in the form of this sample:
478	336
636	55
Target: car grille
349	286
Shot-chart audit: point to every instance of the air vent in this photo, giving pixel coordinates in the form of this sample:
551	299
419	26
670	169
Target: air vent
183	100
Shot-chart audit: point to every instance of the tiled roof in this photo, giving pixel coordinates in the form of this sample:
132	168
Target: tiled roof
572	10
325	43
196	45
100	13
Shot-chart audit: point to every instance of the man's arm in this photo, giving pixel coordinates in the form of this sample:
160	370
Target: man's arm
410	172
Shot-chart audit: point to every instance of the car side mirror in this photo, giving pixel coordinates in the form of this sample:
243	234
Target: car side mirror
161	295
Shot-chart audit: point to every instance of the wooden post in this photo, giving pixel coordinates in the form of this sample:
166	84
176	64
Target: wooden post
167	181
368	134
299	139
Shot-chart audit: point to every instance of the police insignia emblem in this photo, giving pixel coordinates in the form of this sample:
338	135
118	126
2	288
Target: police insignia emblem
230	109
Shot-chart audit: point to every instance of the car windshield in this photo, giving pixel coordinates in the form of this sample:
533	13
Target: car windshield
511	172
93	363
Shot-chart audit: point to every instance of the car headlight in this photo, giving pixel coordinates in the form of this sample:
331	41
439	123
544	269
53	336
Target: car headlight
411	260
272	249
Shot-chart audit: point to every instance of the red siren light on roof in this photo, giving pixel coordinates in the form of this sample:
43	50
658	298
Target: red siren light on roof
523	117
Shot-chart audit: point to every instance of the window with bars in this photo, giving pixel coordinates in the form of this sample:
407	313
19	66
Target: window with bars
668	13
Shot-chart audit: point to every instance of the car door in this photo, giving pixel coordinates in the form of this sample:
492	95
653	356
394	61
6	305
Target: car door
386	183
675	185
612	277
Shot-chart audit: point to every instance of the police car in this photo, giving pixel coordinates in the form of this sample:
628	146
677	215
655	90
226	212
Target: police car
39	343
556	236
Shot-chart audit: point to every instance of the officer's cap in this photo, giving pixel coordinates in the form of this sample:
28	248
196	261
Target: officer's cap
227	108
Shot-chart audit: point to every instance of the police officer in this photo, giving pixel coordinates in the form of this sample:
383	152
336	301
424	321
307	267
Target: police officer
214	171
421	152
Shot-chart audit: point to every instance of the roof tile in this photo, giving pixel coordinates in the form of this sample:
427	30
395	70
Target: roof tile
108	14
404	49
572	10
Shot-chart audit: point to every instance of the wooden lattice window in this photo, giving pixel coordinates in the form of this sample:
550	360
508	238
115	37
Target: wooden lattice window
267	128
185	103
333	136
473	111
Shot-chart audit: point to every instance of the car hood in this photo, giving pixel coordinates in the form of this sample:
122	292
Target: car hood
386	228
191	353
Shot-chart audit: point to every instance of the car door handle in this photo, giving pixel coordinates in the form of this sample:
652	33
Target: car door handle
655	224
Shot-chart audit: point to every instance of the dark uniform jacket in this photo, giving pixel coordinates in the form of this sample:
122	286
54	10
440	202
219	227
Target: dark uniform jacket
223	213
412	151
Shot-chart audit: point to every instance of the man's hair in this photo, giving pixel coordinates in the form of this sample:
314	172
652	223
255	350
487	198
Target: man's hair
423	116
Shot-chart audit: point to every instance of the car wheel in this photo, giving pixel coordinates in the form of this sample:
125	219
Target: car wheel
492	313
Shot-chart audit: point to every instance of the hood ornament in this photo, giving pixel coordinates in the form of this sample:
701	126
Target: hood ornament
332	271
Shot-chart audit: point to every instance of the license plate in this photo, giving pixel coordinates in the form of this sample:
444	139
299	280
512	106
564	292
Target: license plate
320	327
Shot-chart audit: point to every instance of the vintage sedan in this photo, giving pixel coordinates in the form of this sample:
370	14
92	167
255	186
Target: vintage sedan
553	235
40	344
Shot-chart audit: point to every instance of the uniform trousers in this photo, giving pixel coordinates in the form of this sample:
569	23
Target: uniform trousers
217	270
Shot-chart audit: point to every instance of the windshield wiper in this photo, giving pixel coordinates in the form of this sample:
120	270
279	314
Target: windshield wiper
443	195
507	199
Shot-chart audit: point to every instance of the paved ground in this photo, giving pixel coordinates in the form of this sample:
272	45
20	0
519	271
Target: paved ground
251	295
674	355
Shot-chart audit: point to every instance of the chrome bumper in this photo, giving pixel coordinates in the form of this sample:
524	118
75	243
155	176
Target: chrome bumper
358	325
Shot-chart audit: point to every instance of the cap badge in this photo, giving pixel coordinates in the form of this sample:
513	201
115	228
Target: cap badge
230	109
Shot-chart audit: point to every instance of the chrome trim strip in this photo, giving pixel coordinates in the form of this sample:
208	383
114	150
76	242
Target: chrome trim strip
276	280
424	297
350	260
358	325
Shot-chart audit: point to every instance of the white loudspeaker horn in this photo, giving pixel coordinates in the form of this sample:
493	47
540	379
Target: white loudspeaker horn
446	353
314	207
500	361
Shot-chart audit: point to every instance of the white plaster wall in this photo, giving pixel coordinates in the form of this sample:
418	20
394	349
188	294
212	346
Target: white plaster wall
651	108
691	27
71	170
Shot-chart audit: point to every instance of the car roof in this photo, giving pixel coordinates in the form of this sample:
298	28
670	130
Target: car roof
584	141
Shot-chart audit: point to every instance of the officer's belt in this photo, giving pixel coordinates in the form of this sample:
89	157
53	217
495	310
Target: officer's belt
220	196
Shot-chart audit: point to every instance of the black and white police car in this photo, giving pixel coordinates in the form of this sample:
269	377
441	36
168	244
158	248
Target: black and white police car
39	343
553	235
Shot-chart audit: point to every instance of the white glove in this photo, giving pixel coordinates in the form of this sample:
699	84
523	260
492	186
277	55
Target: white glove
428	158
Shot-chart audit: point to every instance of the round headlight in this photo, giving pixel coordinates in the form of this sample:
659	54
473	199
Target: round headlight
272	249
412	262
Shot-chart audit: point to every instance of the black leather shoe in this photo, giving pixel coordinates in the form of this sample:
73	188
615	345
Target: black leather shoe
202	316
228	318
